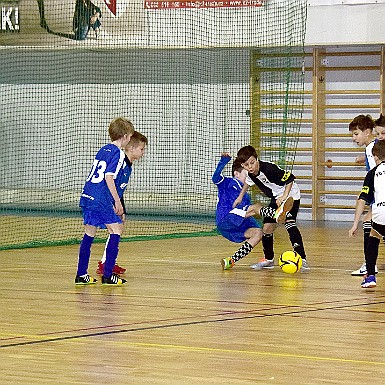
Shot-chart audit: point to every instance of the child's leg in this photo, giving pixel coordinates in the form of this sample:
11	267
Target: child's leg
112	251
278	214
103	260
295	238
371	254
366	227
294	233
84	254
244	250
257	209
268	239
253	237
247	231
268	246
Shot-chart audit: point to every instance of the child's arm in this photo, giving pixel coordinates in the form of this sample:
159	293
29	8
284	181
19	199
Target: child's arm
285	194
360	206
111	186
366	196
241	195
217	176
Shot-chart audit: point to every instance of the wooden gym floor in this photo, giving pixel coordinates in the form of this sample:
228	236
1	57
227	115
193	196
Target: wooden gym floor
180	319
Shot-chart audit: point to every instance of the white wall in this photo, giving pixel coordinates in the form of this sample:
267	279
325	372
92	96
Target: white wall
345	22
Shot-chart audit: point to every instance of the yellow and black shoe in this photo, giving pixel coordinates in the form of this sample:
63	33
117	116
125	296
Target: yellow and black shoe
84	280
113	280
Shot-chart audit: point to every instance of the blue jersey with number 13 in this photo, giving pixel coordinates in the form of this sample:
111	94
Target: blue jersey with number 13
108	161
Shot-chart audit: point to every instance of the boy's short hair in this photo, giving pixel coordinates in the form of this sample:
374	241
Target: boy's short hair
237	166
380	121
378	149
137	138
120	127
362	122
245	153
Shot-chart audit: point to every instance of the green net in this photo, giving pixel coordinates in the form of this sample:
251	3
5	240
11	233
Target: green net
196	77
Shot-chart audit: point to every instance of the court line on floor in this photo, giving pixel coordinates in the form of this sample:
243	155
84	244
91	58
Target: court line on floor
266	308
270	354
178	324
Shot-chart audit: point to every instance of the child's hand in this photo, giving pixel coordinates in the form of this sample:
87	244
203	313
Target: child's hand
360	159
226	154
353	230
118	208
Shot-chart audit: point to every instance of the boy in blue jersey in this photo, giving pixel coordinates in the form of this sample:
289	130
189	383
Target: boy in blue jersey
101	205
361	128
237	224
133	151
373	192
278	185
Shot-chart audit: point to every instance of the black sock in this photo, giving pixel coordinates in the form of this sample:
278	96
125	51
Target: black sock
295	238
268	246
371	254
242	252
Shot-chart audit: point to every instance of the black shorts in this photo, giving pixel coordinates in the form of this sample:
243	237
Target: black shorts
380	229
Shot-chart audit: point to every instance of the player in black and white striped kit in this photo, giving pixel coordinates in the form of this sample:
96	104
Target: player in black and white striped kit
373	190
278	185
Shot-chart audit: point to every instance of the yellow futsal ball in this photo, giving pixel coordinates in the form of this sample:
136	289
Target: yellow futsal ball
290	262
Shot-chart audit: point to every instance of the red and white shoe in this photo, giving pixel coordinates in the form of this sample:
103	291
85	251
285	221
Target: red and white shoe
100	269
117	269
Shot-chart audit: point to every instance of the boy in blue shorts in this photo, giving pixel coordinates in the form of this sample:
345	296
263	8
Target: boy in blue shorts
237	224
373	192
133	151
101	205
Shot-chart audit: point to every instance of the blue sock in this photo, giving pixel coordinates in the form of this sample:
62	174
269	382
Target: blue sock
111	254
84	254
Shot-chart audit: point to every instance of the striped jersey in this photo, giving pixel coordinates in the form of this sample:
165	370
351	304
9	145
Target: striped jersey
373	192
271	180
369	159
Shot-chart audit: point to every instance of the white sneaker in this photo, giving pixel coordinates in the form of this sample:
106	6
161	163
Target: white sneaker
305	266
362	270
263	264
283	209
